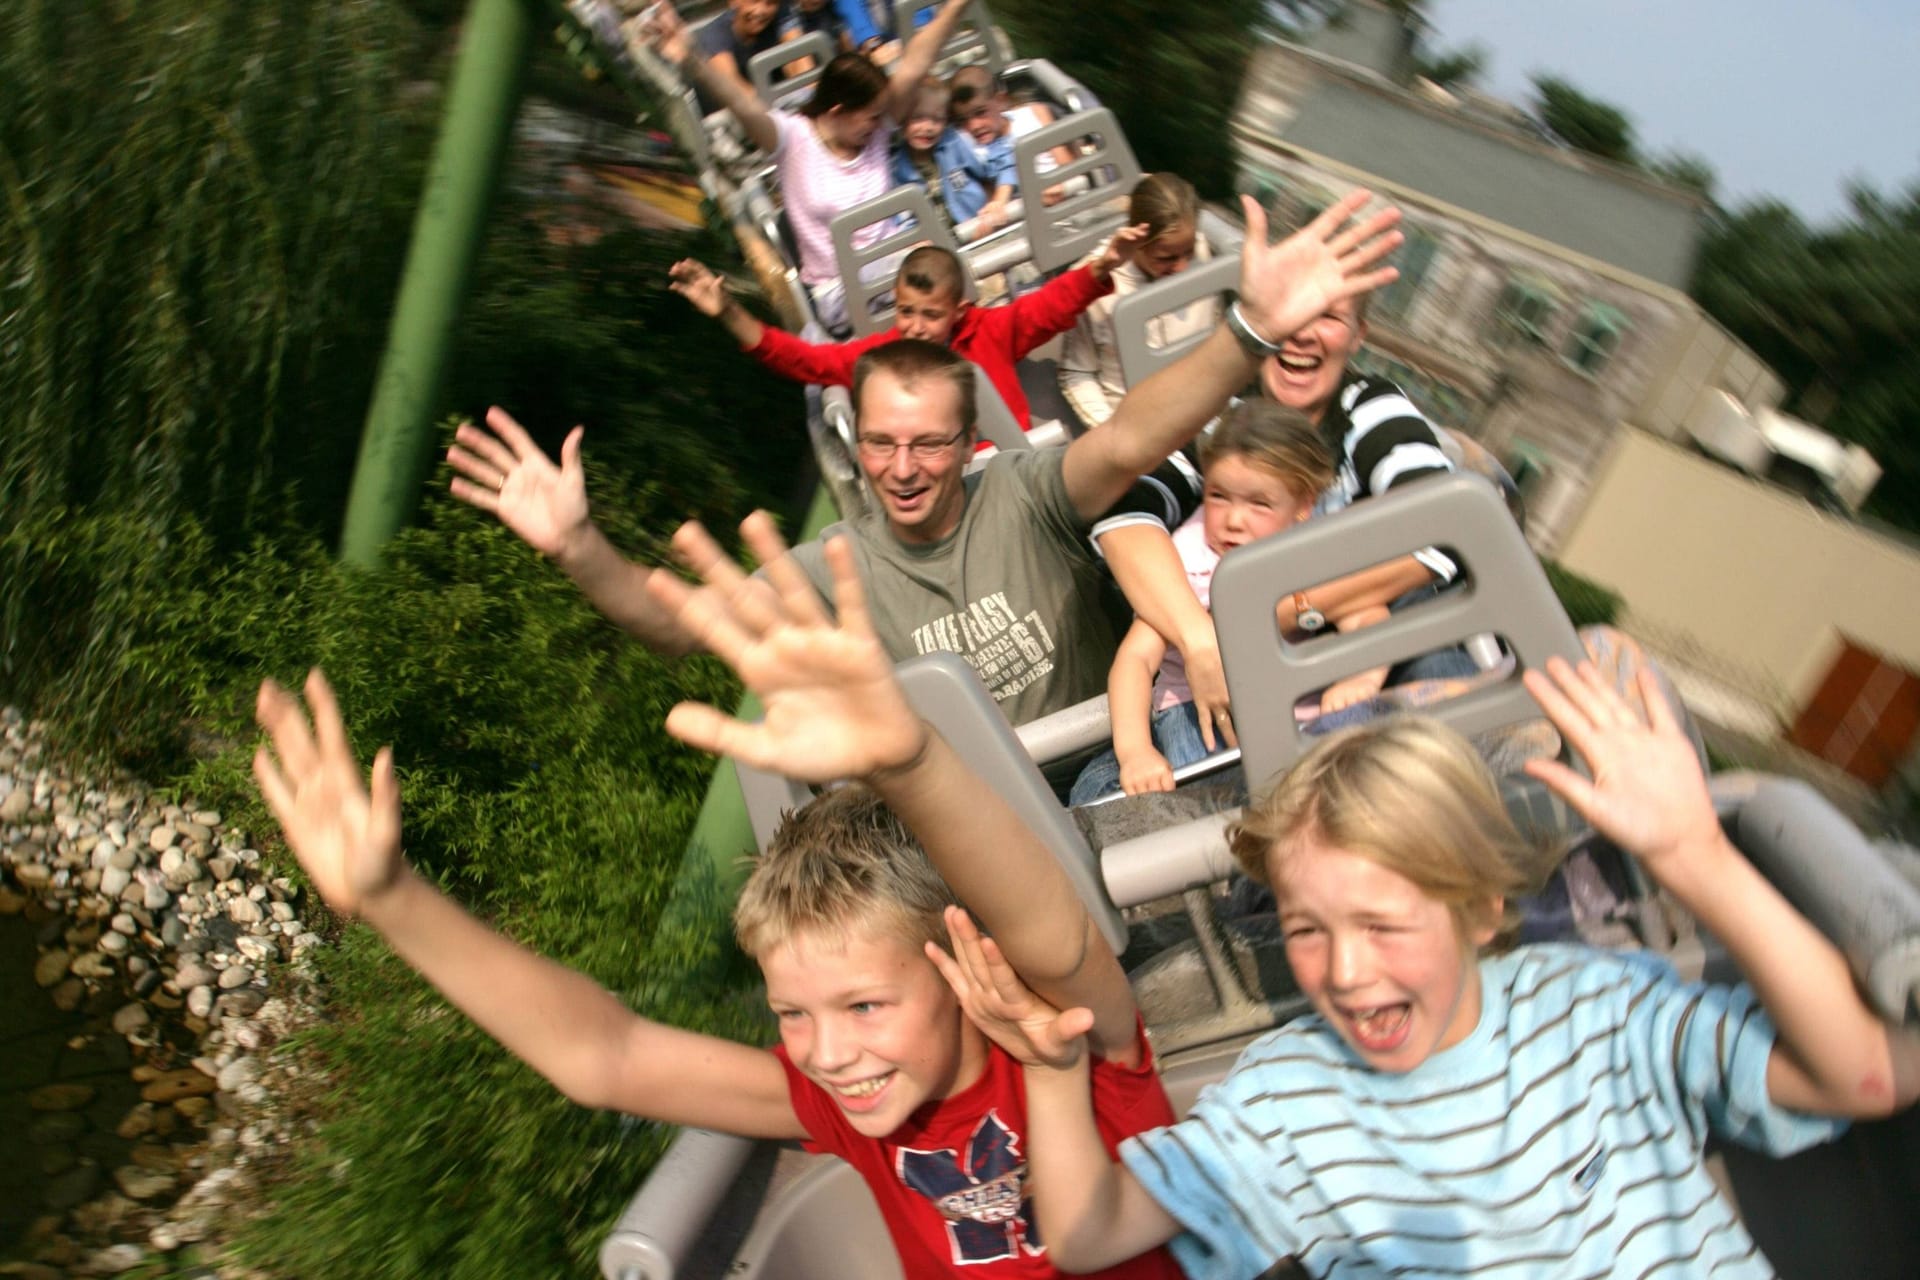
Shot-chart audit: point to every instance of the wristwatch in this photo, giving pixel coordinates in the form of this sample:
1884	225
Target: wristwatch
1250	342
1305	616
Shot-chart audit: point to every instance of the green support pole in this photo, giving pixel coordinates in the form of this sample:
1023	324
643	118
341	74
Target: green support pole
397	443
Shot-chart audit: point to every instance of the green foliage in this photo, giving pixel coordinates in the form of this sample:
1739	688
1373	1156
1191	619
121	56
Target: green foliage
1586	124
539	787
1588	604
204	200
1449	67
1686	170
1171	76
1836	312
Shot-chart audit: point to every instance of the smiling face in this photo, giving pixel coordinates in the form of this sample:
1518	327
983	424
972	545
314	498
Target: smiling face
922	132
1385	964
923	497
1306	374
1244	502
868	1018
1167	254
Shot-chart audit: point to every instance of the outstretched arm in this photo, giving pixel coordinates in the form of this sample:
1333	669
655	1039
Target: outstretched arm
916	60
560	1023
1833	1055
1282	287
701	286
503	471
833	710
674	42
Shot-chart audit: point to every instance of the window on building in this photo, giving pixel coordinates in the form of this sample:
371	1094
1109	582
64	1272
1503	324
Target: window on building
1414	258
1526	310
1594	338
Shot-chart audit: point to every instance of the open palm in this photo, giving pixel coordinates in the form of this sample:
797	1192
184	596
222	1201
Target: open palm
1285	286
346	836
503	471
833	708
1003	1007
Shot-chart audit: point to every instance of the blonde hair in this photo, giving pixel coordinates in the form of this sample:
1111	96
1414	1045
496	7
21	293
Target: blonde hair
1274	438
1409	794
843	863
1163	201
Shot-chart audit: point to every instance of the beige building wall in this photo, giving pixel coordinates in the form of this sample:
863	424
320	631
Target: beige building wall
1751	574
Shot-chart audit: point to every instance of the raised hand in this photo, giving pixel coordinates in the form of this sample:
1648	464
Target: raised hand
667	33
705	290
1647	793
345	836
832	706
1285	286
1002	1006
505	472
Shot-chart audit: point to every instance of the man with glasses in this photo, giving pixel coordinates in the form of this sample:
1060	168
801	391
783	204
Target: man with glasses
995	566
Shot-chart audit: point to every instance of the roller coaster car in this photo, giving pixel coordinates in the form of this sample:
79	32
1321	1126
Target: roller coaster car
1209	985
1153	870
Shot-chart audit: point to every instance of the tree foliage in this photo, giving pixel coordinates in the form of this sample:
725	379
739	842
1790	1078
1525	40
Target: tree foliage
1172	76
1586	124
1449	67
1836	312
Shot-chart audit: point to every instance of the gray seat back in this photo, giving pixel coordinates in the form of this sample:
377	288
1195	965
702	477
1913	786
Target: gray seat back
946	693
1062	234
972	40
763	69
1506	592
915	225
1139	359
994	421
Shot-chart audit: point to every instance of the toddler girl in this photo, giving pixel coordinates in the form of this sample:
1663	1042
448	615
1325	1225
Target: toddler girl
1263	467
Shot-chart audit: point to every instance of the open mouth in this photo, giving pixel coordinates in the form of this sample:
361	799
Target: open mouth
1297	363
862	1095
907	499
1381	1029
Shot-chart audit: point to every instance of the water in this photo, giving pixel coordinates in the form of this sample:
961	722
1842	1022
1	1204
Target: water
62	1154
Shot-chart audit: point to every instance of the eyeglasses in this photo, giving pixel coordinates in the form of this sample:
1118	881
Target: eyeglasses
879	448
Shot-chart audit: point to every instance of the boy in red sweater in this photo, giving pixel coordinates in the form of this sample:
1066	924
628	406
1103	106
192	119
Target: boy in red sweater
929	303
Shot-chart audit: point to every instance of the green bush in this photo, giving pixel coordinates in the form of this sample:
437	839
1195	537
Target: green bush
1587	602
539	788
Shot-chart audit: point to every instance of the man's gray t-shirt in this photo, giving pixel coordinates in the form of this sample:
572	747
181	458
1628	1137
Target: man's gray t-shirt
1014	590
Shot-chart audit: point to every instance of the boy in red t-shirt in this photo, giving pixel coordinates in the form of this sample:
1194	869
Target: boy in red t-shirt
929	303
876	1061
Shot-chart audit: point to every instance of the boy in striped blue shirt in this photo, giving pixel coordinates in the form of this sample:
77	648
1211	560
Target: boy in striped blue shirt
1451	1112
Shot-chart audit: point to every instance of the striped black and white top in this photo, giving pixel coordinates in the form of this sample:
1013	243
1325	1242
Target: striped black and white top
1379	440
1562	1137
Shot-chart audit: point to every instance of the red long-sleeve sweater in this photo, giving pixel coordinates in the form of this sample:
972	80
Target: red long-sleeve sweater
995	338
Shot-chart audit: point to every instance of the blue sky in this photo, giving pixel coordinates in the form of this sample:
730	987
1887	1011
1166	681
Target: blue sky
1783	97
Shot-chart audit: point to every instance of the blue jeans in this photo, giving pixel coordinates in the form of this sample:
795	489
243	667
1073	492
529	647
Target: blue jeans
1176	735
